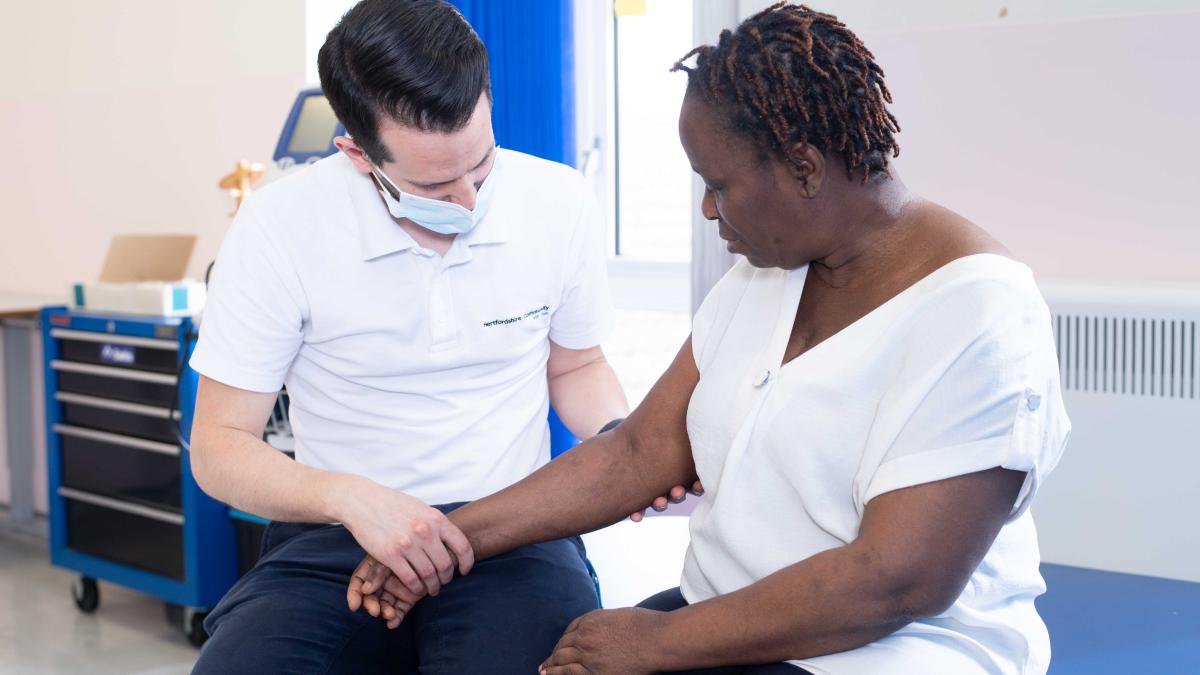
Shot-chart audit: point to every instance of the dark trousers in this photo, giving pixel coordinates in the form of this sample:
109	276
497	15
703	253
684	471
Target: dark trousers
289	614
669	601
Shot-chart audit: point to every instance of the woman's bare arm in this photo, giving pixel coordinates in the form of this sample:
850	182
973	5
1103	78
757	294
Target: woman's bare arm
597	483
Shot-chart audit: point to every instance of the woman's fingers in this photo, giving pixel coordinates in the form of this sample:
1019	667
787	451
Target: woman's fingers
678	494
388	602
371	604
372	573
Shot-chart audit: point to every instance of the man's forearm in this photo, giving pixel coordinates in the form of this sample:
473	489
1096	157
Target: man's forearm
596	484
241	470
588	397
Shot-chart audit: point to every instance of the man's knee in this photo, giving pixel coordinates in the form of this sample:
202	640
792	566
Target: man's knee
507	614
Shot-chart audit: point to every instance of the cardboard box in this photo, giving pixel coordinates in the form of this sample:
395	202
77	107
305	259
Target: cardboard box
143	274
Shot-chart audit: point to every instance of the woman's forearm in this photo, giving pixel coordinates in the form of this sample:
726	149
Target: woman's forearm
599	482
834	601
594	485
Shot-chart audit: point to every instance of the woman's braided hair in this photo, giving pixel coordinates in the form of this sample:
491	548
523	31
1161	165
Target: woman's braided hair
790	74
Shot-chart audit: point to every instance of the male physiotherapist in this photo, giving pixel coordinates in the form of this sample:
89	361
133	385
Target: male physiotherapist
425	296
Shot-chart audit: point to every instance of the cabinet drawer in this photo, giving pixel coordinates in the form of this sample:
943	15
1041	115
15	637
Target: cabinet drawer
122	351
122	384
131	469
128	419
147	539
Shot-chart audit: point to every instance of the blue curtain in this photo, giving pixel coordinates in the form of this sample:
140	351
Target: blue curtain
531	44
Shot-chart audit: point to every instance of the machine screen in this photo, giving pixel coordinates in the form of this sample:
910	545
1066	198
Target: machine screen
315	127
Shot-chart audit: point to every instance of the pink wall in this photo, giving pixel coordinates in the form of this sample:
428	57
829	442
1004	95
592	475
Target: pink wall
1068	129
1075	142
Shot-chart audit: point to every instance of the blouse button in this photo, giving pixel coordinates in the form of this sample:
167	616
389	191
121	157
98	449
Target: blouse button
763	378
1032	400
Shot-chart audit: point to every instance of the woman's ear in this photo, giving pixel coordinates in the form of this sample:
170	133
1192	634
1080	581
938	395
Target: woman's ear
806	165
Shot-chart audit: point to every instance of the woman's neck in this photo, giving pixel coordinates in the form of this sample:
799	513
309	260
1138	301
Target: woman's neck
878	219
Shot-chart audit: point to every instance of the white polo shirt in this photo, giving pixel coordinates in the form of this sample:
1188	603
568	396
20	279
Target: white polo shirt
954	375
424	373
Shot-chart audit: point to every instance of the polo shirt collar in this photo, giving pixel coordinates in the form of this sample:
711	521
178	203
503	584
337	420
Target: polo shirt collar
379	235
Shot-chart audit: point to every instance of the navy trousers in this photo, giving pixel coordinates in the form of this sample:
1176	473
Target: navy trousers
669	601
289	614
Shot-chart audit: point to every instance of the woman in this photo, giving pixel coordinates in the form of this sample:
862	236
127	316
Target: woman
870	399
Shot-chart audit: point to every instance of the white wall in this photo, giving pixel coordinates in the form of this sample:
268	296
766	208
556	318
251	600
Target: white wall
1067	129
122	116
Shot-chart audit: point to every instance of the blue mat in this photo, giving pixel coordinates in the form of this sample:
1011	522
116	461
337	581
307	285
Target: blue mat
1104	622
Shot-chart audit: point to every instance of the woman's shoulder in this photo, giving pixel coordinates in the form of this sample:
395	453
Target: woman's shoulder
978	299
964	261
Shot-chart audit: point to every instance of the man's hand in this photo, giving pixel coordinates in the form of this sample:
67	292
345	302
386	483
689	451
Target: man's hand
675	496
414	541
609	642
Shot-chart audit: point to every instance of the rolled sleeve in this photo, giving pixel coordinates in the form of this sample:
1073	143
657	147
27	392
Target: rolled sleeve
995	403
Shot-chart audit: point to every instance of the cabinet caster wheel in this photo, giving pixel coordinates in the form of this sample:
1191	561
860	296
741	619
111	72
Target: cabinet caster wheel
193	626
86	594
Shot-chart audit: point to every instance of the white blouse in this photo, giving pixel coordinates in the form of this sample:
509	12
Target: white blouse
956	374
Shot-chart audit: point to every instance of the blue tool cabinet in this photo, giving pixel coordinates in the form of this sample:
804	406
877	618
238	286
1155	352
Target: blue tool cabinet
124	507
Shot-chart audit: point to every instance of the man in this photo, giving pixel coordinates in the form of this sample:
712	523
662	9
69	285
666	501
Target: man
424	295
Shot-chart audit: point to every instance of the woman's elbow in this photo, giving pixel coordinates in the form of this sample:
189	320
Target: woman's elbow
925	595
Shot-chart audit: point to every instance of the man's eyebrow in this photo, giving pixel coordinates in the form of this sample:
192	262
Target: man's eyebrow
447	182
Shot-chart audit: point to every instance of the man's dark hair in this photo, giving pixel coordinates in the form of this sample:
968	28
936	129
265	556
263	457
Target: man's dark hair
790	74
417	62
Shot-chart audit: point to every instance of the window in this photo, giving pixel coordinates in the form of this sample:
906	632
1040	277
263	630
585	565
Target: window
653	185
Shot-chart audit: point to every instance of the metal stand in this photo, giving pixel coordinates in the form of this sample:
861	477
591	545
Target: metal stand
18	414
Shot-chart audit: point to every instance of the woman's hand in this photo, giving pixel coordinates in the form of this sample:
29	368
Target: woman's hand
374	588
675	496
609	642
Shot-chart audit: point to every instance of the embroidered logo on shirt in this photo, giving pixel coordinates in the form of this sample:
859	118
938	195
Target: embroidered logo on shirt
531	314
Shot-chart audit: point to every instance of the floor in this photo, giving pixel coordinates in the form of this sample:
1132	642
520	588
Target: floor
42	632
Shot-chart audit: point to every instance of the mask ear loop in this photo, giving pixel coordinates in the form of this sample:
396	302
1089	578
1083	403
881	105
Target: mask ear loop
381	185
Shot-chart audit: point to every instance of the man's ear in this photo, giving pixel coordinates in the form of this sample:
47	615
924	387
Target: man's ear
806	165
357	157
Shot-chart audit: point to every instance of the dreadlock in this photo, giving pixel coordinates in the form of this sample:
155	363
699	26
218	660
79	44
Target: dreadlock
792	75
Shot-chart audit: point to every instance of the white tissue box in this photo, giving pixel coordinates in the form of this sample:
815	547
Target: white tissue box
156	298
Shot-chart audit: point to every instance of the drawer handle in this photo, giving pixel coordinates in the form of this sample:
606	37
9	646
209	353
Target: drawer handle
119	406
109	338
123	507
116	373
117	439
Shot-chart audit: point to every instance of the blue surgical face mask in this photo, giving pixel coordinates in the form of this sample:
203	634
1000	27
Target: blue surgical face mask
436	215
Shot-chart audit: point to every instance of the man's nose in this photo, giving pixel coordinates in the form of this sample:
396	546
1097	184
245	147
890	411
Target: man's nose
463	193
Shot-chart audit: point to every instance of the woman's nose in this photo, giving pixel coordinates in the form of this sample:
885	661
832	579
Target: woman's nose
708	206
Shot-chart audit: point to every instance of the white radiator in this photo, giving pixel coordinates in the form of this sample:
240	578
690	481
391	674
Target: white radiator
1126	495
